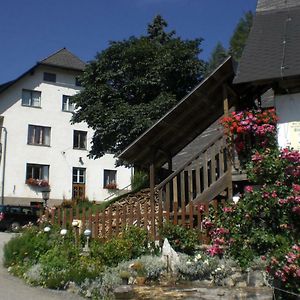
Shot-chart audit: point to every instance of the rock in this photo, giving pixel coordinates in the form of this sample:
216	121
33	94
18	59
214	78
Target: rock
256	279
124	292
241	284
88	294
72	288
169	256
237	276
229	282
206	282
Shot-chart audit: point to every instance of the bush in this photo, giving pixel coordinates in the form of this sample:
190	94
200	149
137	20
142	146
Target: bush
180	238
198	267
28	246
131	243
139	181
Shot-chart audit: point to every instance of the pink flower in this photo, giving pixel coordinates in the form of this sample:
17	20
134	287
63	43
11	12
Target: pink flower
227	209
248	189
207	223
214	250
296	188
201	209
256	157
296	210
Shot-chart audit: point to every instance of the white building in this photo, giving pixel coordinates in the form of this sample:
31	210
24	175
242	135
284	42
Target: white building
43	146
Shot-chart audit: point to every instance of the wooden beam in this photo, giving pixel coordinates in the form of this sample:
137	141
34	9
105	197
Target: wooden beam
225	101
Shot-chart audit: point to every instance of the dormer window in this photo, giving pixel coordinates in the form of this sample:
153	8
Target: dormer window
51	77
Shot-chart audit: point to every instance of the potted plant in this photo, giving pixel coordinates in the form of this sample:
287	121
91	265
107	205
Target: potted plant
141	273
37	182
111	186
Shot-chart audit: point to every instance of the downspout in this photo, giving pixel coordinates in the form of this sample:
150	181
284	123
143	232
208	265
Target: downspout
4	163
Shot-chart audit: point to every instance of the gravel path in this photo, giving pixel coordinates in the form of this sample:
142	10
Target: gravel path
13	288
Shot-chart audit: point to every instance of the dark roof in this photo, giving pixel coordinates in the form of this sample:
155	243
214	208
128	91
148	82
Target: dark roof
268	5
4	86
182	124
64	59
272	49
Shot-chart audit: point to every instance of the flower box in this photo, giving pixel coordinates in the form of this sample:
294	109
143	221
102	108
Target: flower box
37	182
111	186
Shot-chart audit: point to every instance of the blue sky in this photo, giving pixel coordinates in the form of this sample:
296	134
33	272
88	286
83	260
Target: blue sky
30	30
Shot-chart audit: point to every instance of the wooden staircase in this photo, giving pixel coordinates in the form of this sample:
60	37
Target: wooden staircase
205	177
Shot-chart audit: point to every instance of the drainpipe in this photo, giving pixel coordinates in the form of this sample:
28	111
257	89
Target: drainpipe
4	163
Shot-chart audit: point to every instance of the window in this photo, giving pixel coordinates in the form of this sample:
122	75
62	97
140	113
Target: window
36	171
39	135
79	139
67	105
77	81
49	77
31	98
109	179
79	175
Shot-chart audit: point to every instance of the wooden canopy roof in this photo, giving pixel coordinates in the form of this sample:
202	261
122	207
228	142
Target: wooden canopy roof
182	124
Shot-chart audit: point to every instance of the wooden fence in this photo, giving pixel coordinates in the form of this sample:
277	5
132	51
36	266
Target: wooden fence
105	225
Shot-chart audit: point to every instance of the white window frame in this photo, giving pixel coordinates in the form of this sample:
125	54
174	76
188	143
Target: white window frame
42	170
109	177
81	135
67	106
80	176
39	135
31	99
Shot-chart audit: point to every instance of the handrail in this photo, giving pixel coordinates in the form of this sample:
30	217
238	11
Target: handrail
116	194
171	176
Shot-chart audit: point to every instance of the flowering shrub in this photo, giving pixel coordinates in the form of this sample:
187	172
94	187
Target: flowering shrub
182	239
37	182
250	130
265	222
286	268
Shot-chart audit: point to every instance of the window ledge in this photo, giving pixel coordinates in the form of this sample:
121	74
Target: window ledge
30	106
39	145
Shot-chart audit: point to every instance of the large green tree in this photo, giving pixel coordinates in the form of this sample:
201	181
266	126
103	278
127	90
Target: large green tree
240	36
133	83
218	55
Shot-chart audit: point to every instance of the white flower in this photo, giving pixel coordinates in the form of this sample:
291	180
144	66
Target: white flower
198	257
206	262
188	263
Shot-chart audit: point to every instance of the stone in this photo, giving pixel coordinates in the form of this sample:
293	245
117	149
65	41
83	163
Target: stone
124	292
72	288
169	256
228	282
88	294
241	284
256	279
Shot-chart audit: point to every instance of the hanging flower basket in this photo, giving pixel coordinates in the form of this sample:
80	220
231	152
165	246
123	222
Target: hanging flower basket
250	131
37	182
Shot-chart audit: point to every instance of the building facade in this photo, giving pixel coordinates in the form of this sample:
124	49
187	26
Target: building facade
43	147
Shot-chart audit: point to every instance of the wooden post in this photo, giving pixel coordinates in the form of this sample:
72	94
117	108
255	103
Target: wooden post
225	101
152	196
229	165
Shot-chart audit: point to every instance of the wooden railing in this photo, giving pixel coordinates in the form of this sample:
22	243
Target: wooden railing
201	179
107	224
